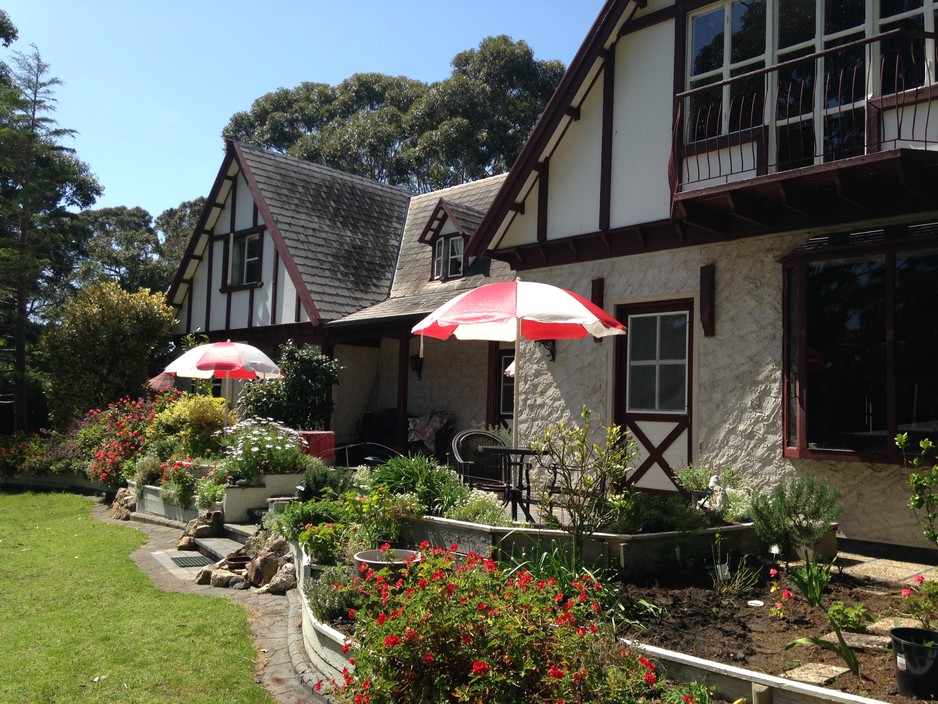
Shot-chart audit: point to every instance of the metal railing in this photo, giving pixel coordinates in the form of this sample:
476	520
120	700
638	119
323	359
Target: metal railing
808	110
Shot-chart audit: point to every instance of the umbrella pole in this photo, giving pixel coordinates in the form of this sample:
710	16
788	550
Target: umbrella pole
517	399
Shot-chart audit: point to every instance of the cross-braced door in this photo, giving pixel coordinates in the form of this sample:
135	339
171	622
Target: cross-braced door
653	390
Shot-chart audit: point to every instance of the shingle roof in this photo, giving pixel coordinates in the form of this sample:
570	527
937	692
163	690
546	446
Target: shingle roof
413	293
342	231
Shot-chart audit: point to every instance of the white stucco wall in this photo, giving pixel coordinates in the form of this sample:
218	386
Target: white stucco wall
356	381
737	382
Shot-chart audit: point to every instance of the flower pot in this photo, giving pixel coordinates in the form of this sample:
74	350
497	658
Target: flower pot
916	657
393	560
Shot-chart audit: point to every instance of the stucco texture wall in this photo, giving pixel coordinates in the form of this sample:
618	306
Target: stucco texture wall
737	375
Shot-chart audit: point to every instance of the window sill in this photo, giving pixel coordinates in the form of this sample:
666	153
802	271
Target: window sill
240	287
831	455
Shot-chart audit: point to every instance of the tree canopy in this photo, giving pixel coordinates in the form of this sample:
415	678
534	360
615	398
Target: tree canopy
404	132
85	369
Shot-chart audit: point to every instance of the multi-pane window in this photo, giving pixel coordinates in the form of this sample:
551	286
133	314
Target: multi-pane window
657	363
448	257
245	255
862	339
816	109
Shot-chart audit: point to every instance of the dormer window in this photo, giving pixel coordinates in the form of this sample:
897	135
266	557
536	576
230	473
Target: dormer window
245	258
448	260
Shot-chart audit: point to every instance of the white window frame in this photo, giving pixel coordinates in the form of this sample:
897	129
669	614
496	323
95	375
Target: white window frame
448	257
242	264
658	362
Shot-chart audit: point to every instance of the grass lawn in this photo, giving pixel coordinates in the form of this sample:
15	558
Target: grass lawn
79	621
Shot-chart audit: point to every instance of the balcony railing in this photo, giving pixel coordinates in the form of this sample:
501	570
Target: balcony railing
817	108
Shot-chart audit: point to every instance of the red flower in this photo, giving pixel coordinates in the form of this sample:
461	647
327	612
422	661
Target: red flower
479	668
918	579
650	678
351	614
906	592
556	673
382	617
391	641
428	657
787	594
646	663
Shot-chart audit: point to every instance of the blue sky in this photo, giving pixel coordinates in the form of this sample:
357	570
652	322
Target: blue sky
149	85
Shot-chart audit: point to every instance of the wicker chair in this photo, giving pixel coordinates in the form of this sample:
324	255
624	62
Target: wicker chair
477	469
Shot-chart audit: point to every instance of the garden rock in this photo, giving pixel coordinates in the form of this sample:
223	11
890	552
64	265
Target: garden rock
239	582
205	574
282	582
123	505
222	578
262	568
211	525
187	542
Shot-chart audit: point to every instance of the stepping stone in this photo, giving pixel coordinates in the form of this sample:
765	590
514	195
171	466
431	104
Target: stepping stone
884	625
862	641
815	673
218	547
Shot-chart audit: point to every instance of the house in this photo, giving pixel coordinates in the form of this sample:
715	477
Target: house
751	187
287	249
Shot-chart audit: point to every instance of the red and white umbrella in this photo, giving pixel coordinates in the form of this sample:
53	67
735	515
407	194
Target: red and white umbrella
511	310
225	360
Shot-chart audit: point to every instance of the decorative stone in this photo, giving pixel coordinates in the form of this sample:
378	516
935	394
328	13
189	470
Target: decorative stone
205	574
262	568
283	581
211	525
222	578
815	673
123	505
238	583
187	542
277	544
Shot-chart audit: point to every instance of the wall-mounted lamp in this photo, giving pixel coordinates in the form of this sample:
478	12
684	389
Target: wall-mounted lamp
416	365
550	346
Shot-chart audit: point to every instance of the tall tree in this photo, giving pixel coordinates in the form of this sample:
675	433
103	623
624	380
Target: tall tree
175	227
39	180
403	132
122	246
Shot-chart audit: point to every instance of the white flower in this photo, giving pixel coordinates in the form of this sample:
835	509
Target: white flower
775	550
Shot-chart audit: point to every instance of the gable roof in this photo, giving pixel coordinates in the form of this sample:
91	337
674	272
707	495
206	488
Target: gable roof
562	109
337	234
413	292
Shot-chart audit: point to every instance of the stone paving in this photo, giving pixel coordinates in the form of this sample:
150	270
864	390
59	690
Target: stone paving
282	666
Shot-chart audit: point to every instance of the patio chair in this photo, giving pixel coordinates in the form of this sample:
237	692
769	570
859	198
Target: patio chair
477	469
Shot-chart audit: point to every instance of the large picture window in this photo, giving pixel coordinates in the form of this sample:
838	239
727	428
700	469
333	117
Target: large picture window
862	339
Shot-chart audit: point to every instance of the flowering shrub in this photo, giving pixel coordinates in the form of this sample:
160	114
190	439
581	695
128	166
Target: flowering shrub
117	434
259	445
457	628
188	426
208	490
179	485
920	601
18	451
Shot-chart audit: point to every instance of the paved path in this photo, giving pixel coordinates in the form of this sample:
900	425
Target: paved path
282	665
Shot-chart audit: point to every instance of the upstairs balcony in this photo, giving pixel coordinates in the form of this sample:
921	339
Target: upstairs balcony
840	136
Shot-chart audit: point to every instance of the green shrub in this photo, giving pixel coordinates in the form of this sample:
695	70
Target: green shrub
324	542
797	514
331	604
480	507
148	471
188	426
437	487
178	484
854	618
259	446
294	517
319	480
208	491
644	512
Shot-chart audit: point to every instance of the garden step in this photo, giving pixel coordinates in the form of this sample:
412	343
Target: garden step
240	531
217	547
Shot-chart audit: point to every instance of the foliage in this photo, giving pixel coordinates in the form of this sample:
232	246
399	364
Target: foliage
257	446
148	471
112	438
853	619
17	451
697	478
811	579
93	560
924	499
188	426
729	582
296	516
457	628
323	542
920	601
302	398
479	507
377	517
101	317
438	488
797	514
841	648
121	246
178	483
403	132
689	693
42	183
319	480
329	597
586	471
644	512
208	491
